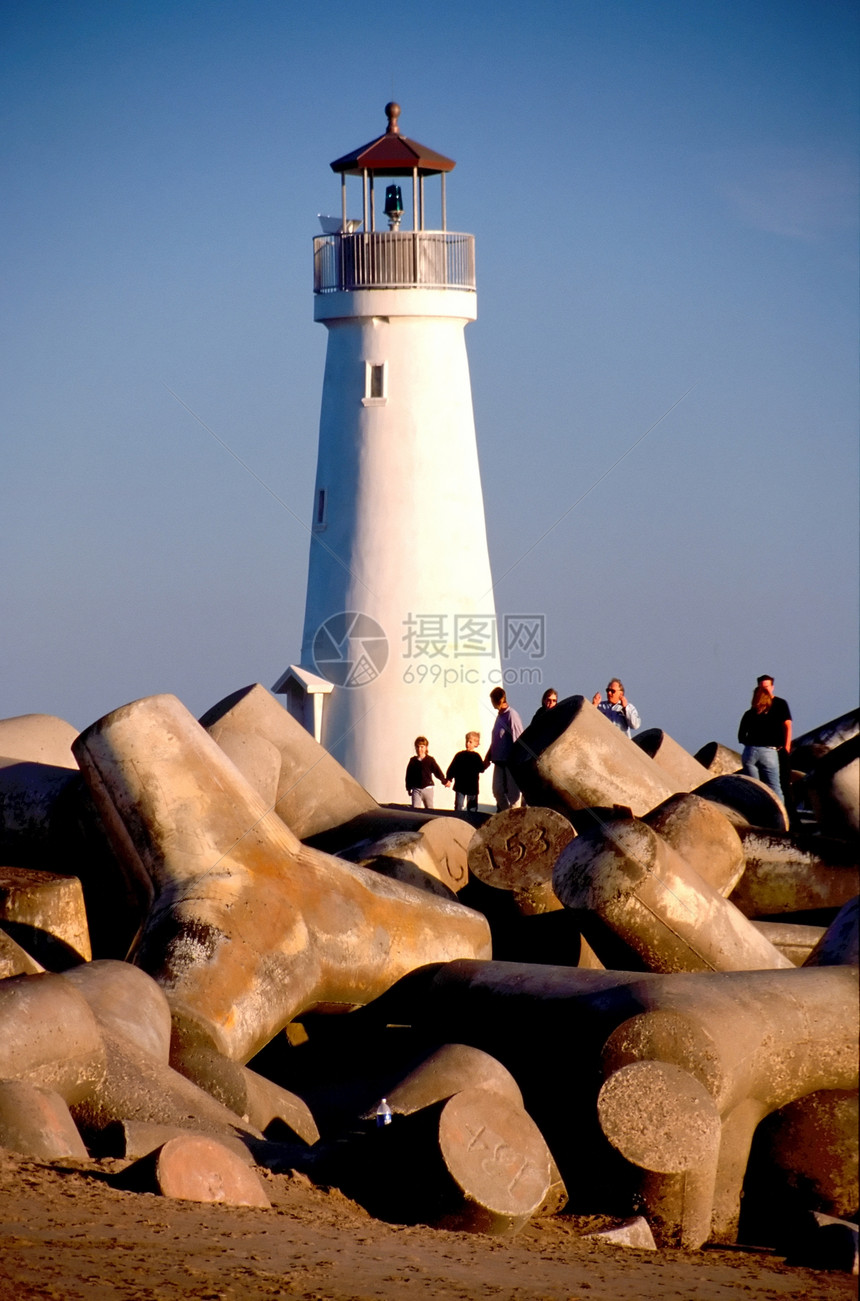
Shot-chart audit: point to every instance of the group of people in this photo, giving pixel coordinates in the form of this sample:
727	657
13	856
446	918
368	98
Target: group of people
464	770
764	733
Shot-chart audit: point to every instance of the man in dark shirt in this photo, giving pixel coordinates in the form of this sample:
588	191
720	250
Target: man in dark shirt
765	734
420	772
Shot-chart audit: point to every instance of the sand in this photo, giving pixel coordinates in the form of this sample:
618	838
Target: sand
67	1235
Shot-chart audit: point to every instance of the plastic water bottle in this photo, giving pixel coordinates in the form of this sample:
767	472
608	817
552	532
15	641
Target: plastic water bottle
383	1114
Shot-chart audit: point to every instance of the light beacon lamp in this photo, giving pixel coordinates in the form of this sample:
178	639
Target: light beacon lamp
393	206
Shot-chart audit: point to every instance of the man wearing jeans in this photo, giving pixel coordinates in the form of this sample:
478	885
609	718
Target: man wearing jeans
506	729
765	731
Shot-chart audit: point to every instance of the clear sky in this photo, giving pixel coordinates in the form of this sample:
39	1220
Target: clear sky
664	197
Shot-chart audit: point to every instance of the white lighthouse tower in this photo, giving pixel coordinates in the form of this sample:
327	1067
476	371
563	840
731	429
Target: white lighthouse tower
400	634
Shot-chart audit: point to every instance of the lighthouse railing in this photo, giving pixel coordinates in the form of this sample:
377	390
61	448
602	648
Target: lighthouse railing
394	259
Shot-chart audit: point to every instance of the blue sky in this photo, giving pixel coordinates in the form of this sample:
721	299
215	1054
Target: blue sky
664	197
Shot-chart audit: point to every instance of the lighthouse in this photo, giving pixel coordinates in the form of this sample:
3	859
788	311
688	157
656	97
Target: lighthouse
400	633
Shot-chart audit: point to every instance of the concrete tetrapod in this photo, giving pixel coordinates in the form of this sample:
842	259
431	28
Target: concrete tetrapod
46	914
704	837
663	1120
573	758
476	1163
756	1040
15	961
718	759
794	940
629	885
38	738
249	927
449	1070
516	850
746	801
437	849
37	1122
834	788
804	1157
193	1167
49	1036
788	873
807	749
682	769
754	1052
840	943
457	1068
314	792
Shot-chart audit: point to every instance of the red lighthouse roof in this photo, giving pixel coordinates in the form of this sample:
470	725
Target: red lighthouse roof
392	154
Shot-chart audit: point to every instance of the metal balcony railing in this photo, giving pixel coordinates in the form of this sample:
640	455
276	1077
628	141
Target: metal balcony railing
394	259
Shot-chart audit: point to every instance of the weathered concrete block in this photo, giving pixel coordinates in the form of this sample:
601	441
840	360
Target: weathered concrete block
257	1100
756	1040
37	811
719	759
664	1121
632	884
753	1053
840	943
37	1123
249	927
746	801
127	1003
133	1139
449	1070
139	1087
630	1233
789	873
49	1036
46	914
515	850
573	758
15	961
807	749
195	1168
476	1164
438	849
684	771
38	738
258	760
314	792
703	836
804	1157
794	940
834	789
133	1015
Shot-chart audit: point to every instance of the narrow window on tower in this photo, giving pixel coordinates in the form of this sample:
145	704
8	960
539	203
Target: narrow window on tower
375	384
319	518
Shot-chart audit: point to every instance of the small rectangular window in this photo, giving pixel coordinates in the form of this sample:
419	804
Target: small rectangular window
320	515
375	384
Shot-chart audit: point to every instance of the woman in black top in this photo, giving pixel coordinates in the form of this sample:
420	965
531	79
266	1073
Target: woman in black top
762	733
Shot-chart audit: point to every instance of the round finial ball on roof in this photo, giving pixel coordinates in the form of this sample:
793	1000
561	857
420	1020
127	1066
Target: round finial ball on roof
393	113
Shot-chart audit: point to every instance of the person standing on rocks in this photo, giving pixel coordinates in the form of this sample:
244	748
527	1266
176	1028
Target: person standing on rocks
548	701
420	771
507	727
765	734
617	708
